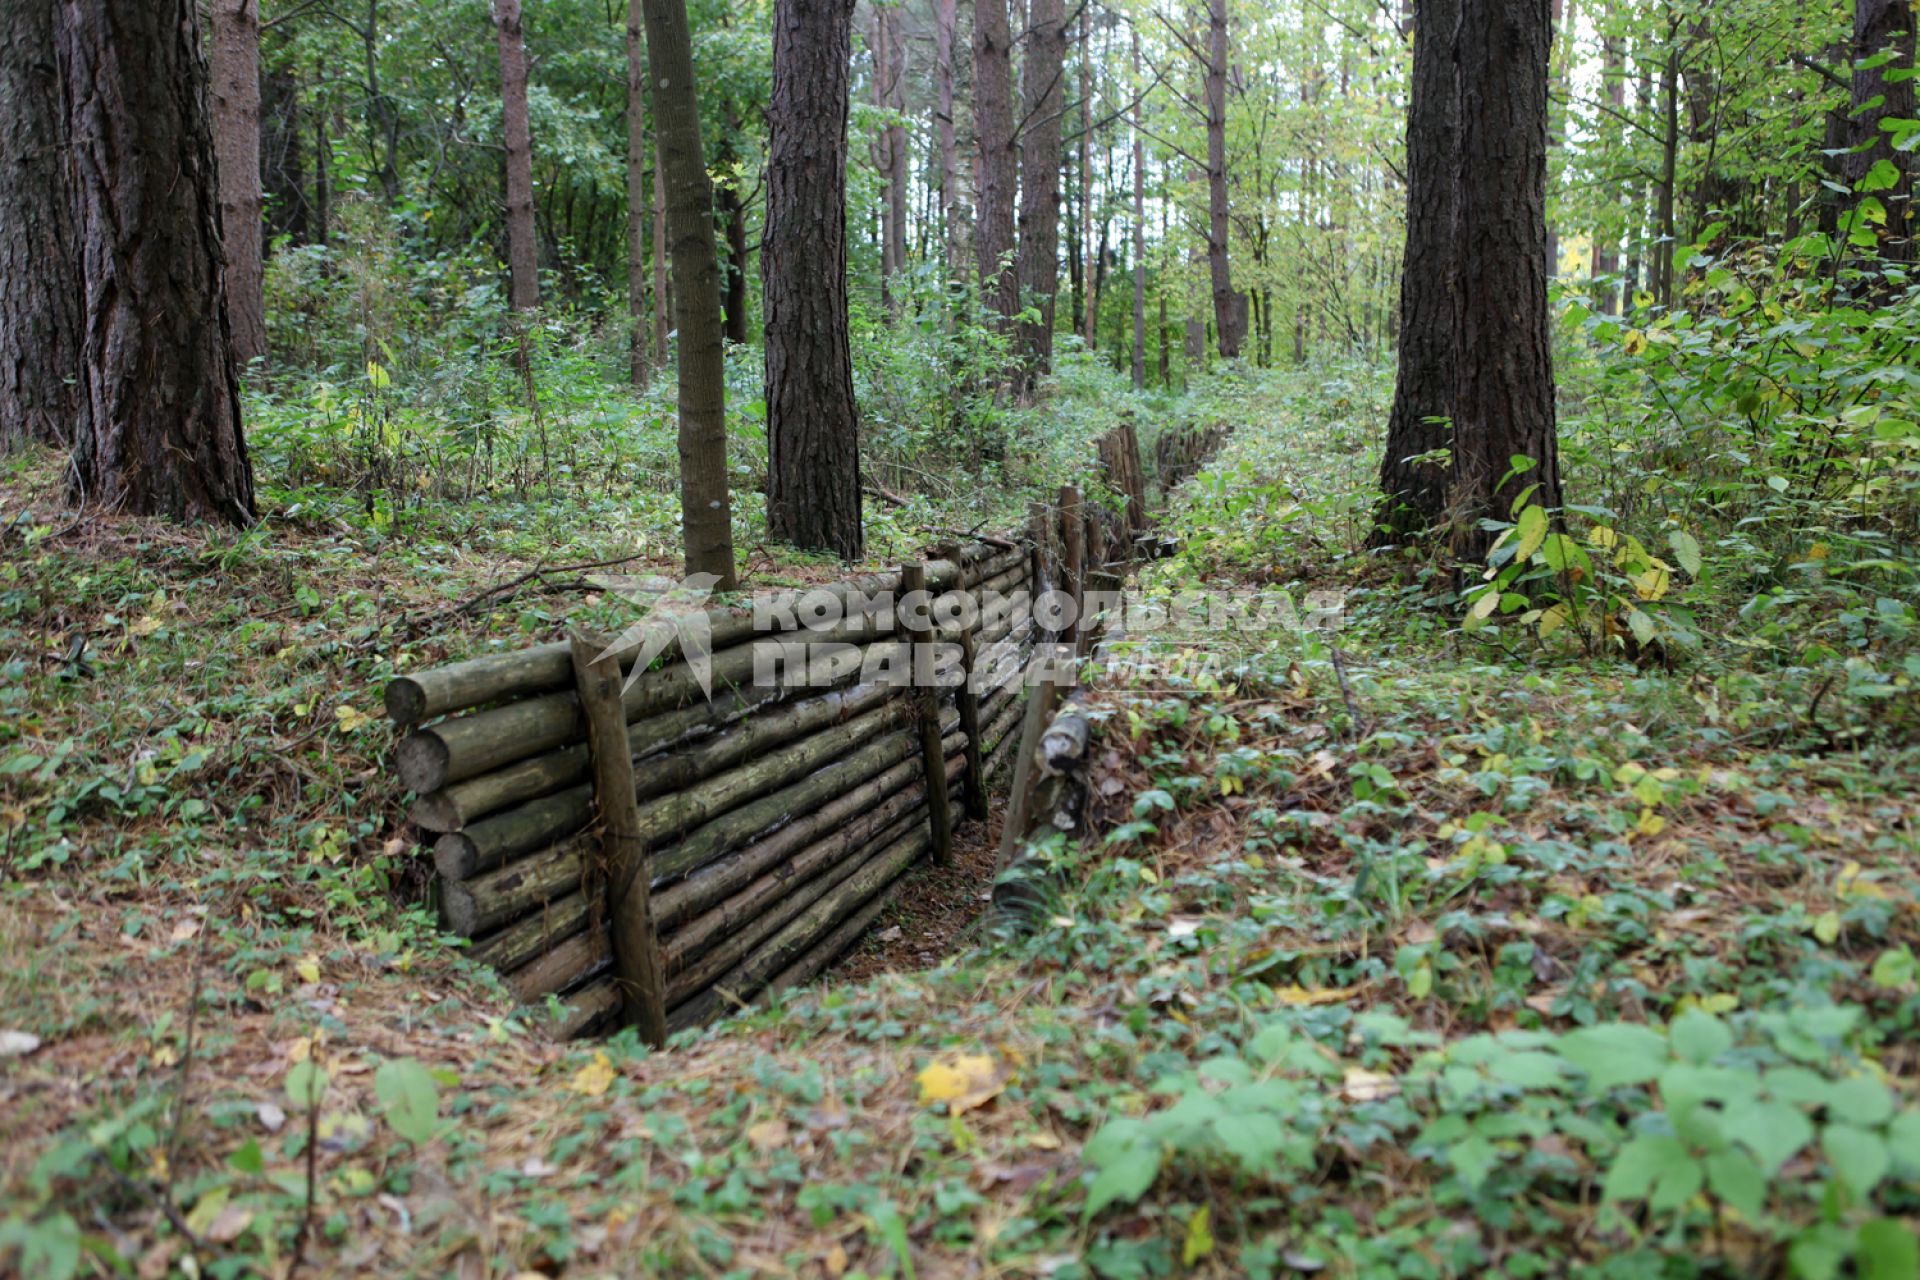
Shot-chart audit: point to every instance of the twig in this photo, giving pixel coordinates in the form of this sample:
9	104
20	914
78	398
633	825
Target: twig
313	1147
410	627
1360	727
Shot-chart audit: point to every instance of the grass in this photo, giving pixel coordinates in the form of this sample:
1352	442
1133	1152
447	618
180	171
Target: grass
1401	950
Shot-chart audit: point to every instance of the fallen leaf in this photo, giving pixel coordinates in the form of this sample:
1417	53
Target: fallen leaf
767	1135
1361	1085
593	1078
963	1083
1183	926
1319	995
184	930
17	1044
308	967
228	1224
535	1167
889	935
835	1261
270	1116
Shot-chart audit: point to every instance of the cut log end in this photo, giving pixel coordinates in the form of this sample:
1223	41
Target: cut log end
422	761
406	700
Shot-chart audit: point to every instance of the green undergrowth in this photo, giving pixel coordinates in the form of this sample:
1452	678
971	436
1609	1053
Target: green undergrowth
1429	945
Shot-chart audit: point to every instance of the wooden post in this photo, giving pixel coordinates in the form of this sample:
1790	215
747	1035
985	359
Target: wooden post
636	948
1037	531
1073	542
913	579
969	704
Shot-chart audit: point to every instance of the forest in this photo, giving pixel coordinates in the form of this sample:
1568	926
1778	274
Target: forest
1505	863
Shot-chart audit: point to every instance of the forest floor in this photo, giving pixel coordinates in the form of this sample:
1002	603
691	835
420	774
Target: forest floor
1399	953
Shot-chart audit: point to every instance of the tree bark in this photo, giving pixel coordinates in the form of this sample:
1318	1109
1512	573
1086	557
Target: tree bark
889	49
1415	496
733	217
813	424
158	431
236	133
1880	26
1040	148
1229	307
1606	236
1503	404
706	517
944	23
40	290
639	362
282	174
662	282
1139	238
993	123
522	253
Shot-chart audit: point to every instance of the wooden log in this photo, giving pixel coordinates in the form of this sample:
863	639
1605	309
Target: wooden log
582	957
521	942
847	847
473	907
967	702
460	804
1040	700
830	948
731	830
700	890
1006	716
636	948
469	745
817	922
703	970
1039	533
546	668
913	618
707	785
586	1010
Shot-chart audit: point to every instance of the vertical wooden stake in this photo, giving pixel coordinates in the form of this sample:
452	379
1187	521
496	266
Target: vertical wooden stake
969	703
1037	531
913	578
1073	541
636	948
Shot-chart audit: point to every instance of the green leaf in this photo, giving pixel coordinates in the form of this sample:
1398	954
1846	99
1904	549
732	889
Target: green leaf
1903	1135
1532	532
1894	969
1531	1069
408	1096
306	1083
248	1158
1857	1155
1472	1158
1615	1054
1699	1037
1887	1251
1883	176
1641	625
1654	1167
1773	1131
1737	1180
1686	549
1860	1100
1125	1178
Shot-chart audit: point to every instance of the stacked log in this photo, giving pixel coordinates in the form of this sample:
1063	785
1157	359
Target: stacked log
773	818
1178	455
1120	525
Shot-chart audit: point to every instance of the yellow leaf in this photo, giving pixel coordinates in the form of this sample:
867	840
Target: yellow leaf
1199	1236
836	1261
1650	823
1603	537
351	718
593	1078
1826	927
308	968
1851	883
1652	584
1318	995
767	1135
1819	551
144	626
1635	342
963	1082
1361	1085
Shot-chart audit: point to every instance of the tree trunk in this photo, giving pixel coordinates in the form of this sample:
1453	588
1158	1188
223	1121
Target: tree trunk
522	255
1092	331
1663	228
282	175
639	363
236	136
662	283
1039	255
813	424
896	104
944	22
733	216
1503	397
993	124
1415	496
1880	26
706	517
1229	308
40	290
158	431
1139	236
1606	236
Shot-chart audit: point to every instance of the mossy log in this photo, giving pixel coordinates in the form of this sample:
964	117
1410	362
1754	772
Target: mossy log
583	956
692	786
540	931
798	936
470	745
814	961
587	1010
489	900
547	668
